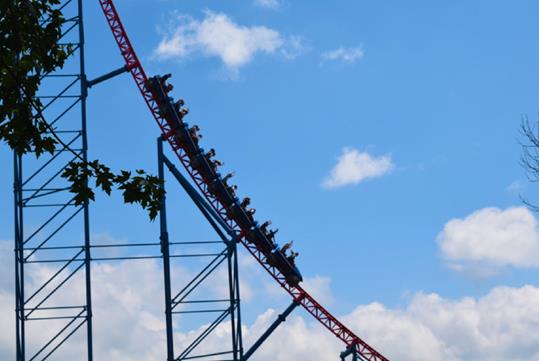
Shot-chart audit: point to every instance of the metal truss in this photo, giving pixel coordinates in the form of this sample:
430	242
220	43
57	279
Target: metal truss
227	310
186	301
52	242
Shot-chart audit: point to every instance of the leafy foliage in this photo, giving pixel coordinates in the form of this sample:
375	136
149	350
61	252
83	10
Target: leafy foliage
29	48
142	188
30	35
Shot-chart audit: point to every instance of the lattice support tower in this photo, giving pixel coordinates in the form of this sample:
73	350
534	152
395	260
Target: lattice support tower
185	300
52	235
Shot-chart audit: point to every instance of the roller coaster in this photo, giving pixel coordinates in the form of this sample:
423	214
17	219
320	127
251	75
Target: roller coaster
237	220
229	211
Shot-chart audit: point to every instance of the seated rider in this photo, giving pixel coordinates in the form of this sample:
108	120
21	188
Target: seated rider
271	234
292	257
286	247
264	226
193	132
245	203
179	104
161	79
168	88
184	112
227	177
232	190
250	213
164	78
210	154
214	163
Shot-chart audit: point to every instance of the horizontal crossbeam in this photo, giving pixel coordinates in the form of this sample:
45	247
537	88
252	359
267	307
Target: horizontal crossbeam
109	75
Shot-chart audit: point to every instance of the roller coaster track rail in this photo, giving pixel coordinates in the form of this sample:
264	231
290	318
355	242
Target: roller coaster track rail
297	292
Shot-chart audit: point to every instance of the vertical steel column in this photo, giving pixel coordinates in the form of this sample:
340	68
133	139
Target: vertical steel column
19	265
165	250
239	336
87	245
234	294
59	237
229	254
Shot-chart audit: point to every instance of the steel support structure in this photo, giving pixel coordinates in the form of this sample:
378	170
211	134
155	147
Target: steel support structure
280	319
52	236
186	301
353	352
182	304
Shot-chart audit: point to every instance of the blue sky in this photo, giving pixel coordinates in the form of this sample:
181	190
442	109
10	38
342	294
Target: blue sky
418	105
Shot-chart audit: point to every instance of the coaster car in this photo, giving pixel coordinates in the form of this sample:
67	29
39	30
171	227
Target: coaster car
155	85
261	242
183	138
289	270
220	191
242	218
166	108
201	164
199	161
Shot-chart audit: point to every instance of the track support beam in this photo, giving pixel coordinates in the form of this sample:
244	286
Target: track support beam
350	350
165	250
280	319
208	212
229	254
102	78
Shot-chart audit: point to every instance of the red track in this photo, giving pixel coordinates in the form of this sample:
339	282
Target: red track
297	292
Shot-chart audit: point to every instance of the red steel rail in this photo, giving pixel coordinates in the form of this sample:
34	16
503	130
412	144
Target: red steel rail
297	292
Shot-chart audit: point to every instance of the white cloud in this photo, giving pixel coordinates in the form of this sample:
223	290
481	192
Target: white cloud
7	320
320	288
502	325
293	340
515	187
268	4
294	47
347	55
220	287
128	311
6	266
129	323
217	35
354	166
491	238
123	324
396	333
7	301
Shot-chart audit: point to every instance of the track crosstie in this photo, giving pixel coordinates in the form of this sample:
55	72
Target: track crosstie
297	292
